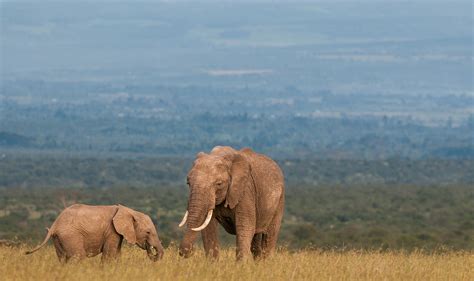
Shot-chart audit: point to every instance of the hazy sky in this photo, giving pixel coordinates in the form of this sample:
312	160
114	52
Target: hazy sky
419	42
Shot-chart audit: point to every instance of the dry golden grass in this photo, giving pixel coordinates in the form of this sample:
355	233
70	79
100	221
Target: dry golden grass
303	265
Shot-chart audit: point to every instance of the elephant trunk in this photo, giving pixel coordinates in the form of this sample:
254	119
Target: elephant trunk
198	209
186	246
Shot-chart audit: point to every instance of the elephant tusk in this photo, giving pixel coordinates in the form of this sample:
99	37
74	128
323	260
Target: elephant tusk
185	218
206	222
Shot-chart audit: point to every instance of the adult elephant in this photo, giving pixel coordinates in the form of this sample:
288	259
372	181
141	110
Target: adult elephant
241	190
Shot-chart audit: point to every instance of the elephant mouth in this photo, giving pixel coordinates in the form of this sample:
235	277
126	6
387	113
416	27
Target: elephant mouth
153	252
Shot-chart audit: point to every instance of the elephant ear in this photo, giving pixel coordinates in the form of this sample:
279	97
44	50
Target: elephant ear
241	180
124	224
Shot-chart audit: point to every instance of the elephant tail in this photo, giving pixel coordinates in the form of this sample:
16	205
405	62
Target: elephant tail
42	244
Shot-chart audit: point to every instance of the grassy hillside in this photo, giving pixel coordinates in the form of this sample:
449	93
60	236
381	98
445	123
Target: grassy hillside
92	171
285	265
330	217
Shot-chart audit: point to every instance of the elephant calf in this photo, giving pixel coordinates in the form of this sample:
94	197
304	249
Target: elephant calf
85	231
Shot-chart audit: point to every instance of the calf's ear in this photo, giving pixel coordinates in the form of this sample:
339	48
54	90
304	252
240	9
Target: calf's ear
124	222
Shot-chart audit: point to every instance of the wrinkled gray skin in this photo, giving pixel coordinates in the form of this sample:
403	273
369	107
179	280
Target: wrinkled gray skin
85	231
246	191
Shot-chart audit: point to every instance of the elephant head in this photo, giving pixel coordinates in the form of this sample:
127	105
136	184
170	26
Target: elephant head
138	228
220	177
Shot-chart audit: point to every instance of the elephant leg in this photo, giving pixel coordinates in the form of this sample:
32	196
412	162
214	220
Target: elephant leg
210	239
269	241
75	255
111	248
245	230
244	241
59	249
270	238
73	247
257	245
